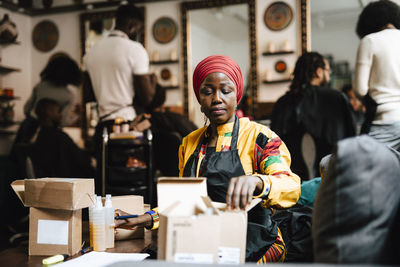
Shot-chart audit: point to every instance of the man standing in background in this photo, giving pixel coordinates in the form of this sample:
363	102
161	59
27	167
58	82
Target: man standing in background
111	65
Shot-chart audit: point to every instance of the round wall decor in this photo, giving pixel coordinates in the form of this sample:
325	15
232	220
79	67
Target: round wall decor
164	30
45	35
280	66
165	74
278	16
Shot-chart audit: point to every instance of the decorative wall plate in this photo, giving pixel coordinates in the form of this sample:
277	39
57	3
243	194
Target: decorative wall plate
278	16
280	66
165	74
45	35
164	30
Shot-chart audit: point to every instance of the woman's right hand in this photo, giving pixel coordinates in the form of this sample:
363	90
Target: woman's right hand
131	223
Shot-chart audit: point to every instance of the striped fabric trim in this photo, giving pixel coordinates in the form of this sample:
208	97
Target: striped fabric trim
275	253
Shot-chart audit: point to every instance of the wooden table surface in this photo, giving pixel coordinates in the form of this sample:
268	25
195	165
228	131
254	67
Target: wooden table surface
18	256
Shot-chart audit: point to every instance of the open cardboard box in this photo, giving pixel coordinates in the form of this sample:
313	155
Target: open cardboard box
55	217
131	204
194	229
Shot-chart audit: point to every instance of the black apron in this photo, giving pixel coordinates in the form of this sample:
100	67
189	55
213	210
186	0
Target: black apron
219	168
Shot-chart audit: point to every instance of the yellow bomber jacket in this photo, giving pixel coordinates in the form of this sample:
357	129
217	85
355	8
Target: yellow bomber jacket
261	152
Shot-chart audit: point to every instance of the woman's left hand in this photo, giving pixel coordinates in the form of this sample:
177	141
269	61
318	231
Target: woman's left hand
241	191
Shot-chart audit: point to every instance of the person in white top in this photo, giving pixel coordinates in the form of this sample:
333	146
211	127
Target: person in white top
377	70
112	66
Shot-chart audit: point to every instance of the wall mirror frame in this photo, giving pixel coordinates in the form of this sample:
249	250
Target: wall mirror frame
186	7
253	88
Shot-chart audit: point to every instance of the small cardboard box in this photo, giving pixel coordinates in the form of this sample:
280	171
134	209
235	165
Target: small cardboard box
195	230
131	204
56	229
59	193
54	232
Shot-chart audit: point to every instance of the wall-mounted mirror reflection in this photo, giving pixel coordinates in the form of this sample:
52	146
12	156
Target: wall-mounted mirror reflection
225	25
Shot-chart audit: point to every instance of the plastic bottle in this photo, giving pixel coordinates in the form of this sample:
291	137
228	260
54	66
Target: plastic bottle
91	219
99	233
109	227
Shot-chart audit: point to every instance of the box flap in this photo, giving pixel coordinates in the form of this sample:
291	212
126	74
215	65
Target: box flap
186	190
59	193
19	188
222	206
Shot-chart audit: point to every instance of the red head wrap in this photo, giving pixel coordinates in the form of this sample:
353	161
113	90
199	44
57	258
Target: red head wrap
222	64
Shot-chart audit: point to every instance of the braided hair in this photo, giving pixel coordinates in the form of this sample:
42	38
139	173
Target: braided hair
304	71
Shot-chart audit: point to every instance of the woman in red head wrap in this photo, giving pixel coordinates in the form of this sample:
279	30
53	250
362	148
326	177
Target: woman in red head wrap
241	159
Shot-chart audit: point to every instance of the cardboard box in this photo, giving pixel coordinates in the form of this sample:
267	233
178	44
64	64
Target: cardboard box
59	193
55	230
131	204
195	230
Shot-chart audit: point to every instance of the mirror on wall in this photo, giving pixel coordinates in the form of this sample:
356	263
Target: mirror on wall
333	25
217	27
95	26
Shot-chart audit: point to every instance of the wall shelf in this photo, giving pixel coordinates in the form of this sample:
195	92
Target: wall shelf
5	69
5	43
277	81
4	98
170	87
277	53
161	62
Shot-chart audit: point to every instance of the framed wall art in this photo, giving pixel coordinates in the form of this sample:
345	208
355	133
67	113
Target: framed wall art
164	30
278	16
45	35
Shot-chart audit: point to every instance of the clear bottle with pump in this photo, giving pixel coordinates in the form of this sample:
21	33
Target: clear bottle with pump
91	219
99	233
109	215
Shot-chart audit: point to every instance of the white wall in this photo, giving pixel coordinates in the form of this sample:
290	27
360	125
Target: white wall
17	56
271	92
154	11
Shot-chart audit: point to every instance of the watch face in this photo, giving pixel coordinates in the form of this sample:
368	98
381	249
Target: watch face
45	36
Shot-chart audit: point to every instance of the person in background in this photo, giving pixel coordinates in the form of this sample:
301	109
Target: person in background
377	72
310	106
54	153
168	129
163	120
56	79
240	158
116	72
110	67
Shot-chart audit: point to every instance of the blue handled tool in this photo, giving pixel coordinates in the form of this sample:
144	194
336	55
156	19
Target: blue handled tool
125	217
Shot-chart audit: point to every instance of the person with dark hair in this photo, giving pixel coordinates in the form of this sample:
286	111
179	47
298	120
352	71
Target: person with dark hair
117	72
163	120
311	107
57	82
377	72
169	128
54	153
